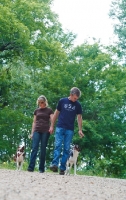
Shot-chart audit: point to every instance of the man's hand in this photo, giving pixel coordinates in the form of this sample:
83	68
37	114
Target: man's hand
80	134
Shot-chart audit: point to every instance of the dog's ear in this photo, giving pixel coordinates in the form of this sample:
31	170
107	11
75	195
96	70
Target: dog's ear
76	146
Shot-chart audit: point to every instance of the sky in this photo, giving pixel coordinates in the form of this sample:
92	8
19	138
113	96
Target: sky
86	18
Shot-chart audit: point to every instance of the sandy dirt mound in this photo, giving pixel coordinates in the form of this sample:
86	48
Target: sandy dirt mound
23	185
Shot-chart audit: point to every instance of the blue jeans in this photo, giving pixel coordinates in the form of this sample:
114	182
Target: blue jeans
62	136
43	138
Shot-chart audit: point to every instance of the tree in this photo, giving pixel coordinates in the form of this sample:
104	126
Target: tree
47	63
31	30
103	101
118	14
31	41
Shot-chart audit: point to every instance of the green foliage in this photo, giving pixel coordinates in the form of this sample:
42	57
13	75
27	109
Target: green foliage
37	57
118	14
28	31
103	85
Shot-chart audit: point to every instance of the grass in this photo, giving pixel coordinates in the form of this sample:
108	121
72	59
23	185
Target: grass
12	165
91	172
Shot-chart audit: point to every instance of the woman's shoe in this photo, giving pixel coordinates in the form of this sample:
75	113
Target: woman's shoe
30	170
40	171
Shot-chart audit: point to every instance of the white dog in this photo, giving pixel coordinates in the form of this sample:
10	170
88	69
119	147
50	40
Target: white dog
72	160
19	157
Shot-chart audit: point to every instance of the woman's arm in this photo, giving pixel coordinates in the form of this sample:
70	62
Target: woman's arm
33	126
53	120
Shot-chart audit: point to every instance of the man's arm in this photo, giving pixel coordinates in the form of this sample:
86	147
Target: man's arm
79	120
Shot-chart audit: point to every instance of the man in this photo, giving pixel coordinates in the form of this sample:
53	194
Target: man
67	110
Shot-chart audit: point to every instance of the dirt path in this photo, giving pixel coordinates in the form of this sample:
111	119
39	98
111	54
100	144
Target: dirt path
23	185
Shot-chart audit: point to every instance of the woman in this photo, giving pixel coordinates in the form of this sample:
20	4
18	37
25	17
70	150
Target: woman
40	133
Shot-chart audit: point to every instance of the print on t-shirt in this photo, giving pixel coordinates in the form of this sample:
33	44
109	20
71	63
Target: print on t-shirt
69	107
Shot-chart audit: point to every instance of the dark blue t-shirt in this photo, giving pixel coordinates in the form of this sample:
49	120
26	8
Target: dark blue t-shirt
68	111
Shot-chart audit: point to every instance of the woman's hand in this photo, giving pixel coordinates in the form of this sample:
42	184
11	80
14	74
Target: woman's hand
51	129
30	136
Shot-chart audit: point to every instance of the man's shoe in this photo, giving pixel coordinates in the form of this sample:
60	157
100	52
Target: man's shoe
54	168
62	172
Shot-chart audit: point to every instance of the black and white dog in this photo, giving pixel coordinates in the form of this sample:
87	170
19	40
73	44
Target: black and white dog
19	157
72	160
